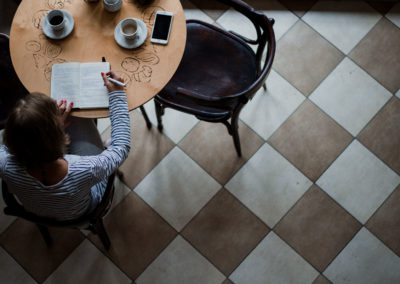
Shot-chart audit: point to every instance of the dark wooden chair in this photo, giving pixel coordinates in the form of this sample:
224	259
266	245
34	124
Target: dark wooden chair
93	221
11	88
219	72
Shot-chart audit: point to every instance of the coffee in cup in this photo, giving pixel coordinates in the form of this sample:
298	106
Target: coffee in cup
112	5
129	28
56	20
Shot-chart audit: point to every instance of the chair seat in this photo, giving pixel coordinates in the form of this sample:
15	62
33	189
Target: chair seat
213	65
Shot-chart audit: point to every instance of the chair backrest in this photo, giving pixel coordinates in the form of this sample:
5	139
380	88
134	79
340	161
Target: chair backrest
14	208
11	88
265	40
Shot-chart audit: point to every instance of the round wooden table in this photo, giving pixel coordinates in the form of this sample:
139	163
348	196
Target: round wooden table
146	69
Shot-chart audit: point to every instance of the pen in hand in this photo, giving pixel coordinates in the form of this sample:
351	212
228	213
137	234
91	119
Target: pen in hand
116	82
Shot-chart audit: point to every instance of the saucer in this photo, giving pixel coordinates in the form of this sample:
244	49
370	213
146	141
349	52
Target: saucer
131	43
69	26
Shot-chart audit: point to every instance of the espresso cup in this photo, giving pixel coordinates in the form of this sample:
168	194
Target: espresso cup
129	28
112	5
56	20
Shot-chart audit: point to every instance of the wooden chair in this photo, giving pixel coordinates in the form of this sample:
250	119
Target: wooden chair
11	88
93	221
219	72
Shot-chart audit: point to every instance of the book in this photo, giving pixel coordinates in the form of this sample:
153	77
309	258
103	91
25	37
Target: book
80	83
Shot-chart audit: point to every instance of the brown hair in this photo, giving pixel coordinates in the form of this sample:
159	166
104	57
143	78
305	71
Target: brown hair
34	132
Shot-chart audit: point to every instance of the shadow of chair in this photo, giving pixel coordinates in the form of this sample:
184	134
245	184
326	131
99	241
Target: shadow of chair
220	72
92	221
11	88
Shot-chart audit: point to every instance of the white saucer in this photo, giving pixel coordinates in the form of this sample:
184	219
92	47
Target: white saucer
69	26
131	43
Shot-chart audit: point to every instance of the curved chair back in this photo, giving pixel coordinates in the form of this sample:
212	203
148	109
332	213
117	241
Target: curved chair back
92	221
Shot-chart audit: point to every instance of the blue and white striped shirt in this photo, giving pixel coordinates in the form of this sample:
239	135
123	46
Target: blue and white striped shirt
86	178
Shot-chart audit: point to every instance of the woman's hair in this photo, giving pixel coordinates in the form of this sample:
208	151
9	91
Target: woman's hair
34	132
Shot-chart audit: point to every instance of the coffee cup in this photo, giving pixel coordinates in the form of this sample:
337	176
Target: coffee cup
129	28
56	20
112	5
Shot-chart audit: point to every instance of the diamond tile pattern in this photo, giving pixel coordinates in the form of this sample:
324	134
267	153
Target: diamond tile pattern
314	199
304	58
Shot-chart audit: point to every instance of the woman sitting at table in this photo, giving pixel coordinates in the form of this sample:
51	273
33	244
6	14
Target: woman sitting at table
34	163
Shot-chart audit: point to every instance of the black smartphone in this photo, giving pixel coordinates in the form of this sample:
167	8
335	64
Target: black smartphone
161	27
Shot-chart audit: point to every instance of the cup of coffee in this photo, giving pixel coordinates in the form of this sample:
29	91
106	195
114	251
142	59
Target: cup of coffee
129	28
56	19
112	5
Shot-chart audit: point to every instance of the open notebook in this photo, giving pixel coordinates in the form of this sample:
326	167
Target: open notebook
80	83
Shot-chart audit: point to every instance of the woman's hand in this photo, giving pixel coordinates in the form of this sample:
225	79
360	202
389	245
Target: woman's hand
111	87
64	110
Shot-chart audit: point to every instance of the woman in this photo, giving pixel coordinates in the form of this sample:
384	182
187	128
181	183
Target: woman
34	163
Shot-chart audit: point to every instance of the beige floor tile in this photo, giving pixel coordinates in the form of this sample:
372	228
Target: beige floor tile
273	261
225	231
364	260
266	112
177	188
378	54
148	147
23	241
304	58
382	134
210	145
321	280
394	15
343	23
350	96
317	228
310	140
89	265
137	235
385	223
213	9
11	271
359	181
299	7
268	185
180	263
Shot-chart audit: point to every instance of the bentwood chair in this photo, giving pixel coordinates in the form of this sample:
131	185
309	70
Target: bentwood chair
93	221
219	72
11	88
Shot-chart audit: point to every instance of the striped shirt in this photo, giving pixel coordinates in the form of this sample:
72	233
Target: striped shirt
87	176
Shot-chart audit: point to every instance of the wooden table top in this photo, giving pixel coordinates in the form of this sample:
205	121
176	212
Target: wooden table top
146	69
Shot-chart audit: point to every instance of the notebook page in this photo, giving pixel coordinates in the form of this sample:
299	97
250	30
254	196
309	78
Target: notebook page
65	81
93	92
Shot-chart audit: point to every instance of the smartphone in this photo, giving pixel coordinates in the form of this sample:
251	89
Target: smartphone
161	27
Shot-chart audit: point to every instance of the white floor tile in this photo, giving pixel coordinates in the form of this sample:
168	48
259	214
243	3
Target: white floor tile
365	260
176	124
273	261
180	263
268	185
394	15
284	19
350	96
177	188
343	23
398	94
191	12
103	124
359	181
11	271
87	264
268	110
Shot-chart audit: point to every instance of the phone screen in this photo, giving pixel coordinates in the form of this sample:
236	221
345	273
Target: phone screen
161	27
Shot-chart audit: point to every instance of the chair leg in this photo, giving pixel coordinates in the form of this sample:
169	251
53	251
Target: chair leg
146	118
235	135
159	113
45	234
101	231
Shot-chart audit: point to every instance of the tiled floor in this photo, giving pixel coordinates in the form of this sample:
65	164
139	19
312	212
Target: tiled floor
314	199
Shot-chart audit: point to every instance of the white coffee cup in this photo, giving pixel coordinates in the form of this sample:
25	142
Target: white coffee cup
129	28
112	5
56	20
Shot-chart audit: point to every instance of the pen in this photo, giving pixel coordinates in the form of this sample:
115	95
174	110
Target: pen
116	82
